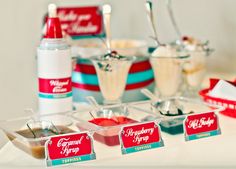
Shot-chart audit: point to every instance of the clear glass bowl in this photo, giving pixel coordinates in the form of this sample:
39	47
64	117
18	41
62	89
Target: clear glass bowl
172	122
108	120
168	73
194	71
30	133
112	76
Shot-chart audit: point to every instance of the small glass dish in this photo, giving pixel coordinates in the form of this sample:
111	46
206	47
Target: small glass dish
107	121
30	133
172	121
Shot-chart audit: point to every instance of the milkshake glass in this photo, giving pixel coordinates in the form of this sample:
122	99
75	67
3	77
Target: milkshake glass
194	71
112	75
168	73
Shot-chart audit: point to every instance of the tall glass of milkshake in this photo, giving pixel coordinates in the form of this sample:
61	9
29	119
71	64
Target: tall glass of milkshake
194	69
167	65
112	71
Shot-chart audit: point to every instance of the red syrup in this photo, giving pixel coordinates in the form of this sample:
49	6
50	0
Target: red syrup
110	136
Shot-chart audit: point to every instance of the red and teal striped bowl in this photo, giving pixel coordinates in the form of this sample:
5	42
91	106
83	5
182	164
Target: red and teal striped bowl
85	81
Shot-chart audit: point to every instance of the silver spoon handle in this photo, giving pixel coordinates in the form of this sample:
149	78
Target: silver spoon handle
106	10
151	21
149	94
92	101
173	20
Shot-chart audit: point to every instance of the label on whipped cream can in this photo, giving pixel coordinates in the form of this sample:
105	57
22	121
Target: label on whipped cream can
139	137
55	88
70	148
202	125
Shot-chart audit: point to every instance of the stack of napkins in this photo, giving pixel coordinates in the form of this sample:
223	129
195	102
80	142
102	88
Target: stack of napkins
224	90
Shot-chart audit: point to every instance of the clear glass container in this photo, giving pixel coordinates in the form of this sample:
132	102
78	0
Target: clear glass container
112	75
168	73
194	71
171	120
108	121
30	133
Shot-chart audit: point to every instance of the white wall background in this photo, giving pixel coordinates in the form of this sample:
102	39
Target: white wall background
21	25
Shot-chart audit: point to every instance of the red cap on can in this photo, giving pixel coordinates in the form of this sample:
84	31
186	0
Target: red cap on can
53	25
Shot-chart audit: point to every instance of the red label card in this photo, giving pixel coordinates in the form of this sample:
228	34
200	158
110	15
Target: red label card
200	123
69	146
139	137
81	21
55	86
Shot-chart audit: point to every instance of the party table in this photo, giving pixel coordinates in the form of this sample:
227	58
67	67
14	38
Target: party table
212	152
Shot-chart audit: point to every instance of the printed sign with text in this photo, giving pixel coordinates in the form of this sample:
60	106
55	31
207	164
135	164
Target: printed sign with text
134	138
198	126
81	21
66	149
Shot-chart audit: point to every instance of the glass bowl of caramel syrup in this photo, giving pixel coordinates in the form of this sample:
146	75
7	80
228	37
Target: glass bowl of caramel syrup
30	135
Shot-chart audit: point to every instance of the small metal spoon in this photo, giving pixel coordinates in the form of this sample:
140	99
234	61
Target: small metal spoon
167	108
107	113
151	21
106	11
173	20
36	118
153	98
94	103
150	95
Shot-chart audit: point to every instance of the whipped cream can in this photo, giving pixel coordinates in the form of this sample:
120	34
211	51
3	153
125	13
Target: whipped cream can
54	70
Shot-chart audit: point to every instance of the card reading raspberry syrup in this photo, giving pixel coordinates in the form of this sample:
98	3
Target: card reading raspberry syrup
134	138
198	126
68	149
